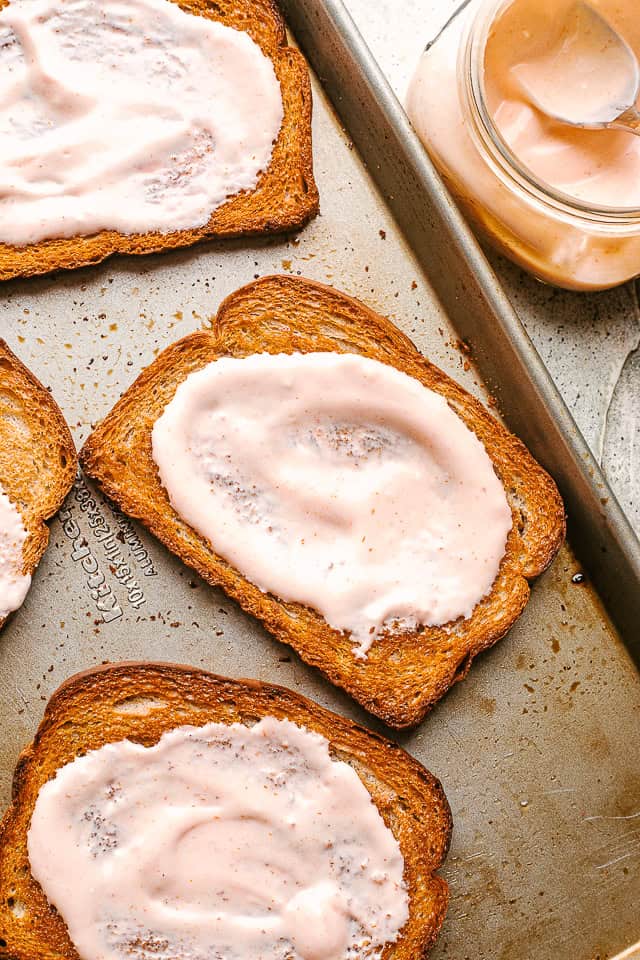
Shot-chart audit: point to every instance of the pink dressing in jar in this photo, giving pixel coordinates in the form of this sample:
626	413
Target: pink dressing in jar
562	202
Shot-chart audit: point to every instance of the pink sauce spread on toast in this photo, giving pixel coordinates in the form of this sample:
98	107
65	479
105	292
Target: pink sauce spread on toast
337	482
221	841
127	115
13	583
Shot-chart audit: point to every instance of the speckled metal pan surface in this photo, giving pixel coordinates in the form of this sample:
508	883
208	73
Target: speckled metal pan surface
539	749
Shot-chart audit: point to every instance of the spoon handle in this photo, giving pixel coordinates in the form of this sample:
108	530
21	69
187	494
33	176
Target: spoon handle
629	121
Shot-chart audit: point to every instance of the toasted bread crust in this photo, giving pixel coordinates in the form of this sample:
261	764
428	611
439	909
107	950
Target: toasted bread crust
94	708
38	460
404	674
285	198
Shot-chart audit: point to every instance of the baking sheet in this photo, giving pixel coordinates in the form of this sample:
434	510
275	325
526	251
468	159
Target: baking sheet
538	750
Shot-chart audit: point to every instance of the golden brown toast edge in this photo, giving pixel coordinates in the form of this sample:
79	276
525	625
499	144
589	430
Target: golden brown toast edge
285	198
94	708
404	674
38	460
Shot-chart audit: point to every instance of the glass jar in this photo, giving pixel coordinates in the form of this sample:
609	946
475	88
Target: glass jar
559	239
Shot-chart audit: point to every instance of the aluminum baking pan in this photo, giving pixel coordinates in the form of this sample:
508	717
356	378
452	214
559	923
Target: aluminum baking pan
539	749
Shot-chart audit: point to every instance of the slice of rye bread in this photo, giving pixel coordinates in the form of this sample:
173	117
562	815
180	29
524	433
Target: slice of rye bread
285	198
38	460
139	702
404	673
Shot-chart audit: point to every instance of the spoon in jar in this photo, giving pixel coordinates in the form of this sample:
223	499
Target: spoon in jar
590	78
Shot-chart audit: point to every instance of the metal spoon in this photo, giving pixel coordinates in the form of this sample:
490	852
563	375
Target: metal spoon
590	78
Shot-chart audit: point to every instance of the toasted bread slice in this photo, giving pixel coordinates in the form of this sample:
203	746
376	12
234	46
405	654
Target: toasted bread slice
404	674
285	198
140	701
38	460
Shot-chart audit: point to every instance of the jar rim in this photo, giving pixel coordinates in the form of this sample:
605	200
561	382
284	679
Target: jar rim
472	61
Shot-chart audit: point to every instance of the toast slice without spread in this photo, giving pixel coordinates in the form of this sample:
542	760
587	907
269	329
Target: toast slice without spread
38	460
285	198
140	701
404	674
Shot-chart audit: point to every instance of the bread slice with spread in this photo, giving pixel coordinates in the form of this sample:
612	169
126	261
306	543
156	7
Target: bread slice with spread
38	464
135	709
405	671
92	162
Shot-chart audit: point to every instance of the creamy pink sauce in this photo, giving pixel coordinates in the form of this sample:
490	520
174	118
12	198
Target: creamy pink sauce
338	482
218	842
526	42
13	583
603	166
584	74
130	115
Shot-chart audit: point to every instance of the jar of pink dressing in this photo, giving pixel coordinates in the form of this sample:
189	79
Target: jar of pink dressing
563	203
